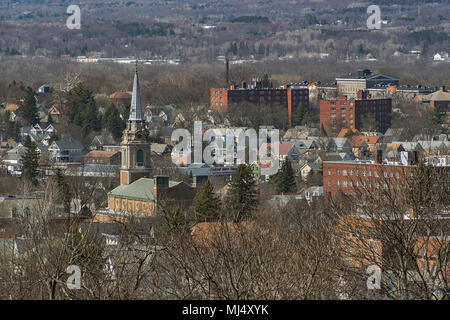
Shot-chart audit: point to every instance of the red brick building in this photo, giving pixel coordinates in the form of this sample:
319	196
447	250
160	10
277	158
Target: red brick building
346	176
349	113
290	96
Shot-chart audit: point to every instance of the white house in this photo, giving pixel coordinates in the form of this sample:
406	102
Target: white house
65	150
441	56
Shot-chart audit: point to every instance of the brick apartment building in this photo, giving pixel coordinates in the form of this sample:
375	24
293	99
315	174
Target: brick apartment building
289	97
349	113
346	176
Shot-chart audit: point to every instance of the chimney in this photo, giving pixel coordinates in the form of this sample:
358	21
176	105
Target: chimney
232	87
160	186
443	89
379	157
244	85
198	180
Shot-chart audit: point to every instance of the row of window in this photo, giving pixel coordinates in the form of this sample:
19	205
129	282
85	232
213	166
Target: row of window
368	173
345	184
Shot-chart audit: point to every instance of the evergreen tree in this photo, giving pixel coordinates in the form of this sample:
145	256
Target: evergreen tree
284	179
82	108
438	114
30	161
63	189
112	121
28	110
242	195
206	204
300	114
90	120
265	81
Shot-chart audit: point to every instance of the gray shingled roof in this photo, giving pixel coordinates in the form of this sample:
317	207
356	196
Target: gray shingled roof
67	144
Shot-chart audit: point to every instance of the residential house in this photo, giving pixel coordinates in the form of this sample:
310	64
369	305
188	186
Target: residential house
65	151
307	168
313	192
339	144
104	142
285	150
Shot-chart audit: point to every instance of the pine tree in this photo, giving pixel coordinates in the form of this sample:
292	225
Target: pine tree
265	81
438	114
300	114
28	110
112	121
64	189
30	160
242	195
284	180
206	204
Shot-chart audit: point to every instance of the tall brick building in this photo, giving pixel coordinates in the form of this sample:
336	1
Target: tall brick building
289	97
349	113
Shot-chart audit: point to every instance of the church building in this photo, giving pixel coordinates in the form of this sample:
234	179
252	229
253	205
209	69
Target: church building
139	192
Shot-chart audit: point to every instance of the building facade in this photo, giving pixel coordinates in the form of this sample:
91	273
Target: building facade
289	97
350	84
349	113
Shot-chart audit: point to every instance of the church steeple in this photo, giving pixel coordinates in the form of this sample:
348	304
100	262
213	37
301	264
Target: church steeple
136	107
135	143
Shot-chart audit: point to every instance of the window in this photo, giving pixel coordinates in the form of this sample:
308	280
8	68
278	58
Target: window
338	183
357	173
375	174
329	172
329	183
343	115
338	172
344	173
344	184
140	157
333	115
351	172
370	173
364	173
14	212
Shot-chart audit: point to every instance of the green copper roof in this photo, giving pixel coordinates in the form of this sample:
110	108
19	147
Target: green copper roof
141	189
